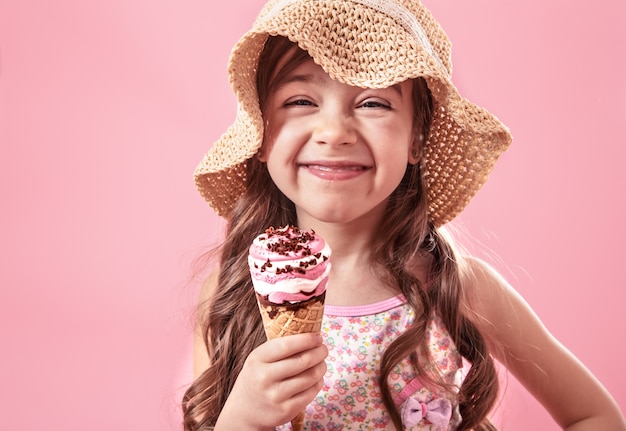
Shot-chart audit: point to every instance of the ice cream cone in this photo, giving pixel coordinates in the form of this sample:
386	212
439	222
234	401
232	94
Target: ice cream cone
289	269
297	423
280	320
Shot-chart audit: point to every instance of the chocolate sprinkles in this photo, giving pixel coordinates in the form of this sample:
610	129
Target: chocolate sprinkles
291	240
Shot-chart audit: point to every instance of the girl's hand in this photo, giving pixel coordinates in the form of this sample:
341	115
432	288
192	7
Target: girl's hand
277	381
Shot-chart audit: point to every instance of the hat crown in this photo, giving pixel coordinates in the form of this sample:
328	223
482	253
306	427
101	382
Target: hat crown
409	16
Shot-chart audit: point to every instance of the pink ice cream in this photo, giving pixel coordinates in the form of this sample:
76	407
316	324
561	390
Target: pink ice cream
289	265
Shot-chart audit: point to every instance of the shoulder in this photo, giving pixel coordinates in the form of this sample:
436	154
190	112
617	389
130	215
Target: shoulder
485	292
495	307
483	289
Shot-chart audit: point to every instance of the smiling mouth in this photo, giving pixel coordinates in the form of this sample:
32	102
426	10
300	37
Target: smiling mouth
338	168
335	172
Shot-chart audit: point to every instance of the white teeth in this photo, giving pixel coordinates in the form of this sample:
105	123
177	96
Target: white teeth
336	168
325	168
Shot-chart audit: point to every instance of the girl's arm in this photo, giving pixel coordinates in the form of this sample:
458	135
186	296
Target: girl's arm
554	376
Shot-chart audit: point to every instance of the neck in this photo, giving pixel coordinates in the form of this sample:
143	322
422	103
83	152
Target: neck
353	280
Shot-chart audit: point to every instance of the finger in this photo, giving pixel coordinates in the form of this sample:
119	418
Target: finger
300	389
309	376
299	363
302	361
297	373
279	349
313	385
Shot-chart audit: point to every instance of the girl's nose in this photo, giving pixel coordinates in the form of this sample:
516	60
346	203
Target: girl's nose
335	127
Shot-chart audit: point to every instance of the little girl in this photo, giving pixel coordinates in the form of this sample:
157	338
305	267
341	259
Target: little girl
348	124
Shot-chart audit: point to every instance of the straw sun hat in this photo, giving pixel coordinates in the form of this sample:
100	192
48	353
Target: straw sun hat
364	43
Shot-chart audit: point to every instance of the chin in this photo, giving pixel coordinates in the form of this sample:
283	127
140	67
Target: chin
336	215
341	211
326	215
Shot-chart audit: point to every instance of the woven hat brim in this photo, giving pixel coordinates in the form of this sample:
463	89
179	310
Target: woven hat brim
365	48
464	143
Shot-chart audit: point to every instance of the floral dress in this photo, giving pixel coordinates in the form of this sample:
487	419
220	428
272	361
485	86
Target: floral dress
351	397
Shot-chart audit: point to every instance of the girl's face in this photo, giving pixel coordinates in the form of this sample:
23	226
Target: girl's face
337	151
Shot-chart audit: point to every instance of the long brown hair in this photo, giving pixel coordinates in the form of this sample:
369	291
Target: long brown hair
406	233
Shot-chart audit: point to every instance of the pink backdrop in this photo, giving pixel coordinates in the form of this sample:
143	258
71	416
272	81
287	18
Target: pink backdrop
106	107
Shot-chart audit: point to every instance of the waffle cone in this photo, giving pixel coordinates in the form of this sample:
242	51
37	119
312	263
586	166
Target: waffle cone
280	320
297	423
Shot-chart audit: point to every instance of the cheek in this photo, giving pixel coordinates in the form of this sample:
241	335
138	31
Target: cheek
269	128
275	134
283	144
272	151
279	159
395	156
268	147
395	141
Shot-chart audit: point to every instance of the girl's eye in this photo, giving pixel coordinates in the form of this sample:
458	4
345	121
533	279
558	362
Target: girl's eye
299	102
375	104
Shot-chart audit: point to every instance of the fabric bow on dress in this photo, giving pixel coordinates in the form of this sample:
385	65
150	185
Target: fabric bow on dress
437	411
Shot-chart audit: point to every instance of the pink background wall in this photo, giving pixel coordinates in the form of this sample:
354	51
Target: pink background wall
106	107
